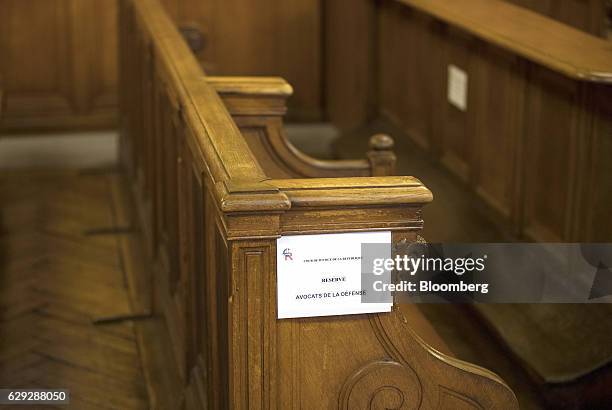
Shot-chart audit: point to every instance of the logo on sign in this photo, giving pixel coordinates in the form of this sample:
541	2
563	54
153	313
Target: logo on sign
288	254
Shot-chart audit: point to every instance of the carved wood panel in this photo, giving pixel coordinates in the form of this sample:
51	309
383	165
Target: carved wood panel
59	60
498	103
407	77
218	277
59	57
552	124
595	191
350	45
268	37
376	362
454	129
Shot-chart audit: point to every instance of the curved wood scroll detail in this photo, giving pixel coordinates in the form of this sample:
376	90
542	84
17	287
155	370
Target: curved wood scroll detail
381	159
382	385
450	399
414	375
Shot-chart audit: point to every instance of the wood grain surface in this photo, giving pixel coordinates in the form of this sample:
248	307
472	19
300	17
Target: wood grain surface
57	278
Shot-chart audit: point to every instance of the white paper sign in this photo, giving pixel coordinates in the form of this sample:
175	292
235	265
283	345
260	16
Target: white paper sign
320	275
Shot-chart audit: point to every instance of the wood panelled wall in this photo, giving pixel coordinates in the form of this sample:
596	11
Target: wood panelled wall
265	37
350	93
586	15
60	66
59	57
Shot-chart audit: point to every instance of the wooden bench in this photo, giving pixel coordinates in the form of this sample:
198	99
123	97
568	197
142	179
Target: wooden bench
216	183
533	143
537	116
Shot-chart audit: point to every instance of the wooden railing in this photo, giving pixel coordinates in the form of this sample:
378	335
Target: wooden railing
202	154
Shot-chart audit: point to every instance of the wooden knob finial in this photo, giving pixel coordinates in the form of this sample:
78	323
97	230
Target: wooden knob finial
381	142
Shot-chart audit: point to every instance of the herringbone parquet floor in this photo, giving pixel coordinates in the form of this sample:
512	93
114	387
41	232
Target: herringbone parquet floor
55	279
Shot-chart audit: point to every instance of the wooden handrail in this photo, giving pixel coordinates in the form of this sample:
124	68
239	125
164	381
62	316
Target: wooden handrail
364	191
526	33
257	86
218	137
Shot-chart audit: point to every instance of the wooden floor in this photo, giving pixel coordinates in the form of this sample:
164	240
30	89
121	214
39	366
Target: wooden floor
58	273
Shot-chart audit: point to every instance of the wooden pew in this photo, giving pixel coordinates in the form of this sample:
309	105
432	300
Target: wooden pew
538	116
212	202
533	142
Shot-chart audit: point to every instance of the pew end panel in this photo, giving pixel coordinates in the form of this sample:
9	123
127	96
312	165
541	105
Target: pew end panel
345	362
211	215
258	105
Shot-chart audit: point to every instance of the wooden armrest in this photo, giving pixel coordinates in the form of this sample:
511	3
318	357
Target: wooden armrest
257	105
353	191
286	194
326	205
254	86
253	96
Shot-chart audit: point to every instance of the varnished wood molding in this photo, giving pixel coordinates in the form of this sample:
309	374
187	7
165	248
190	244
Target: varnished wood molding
252	309
253	96
382	384
253	86
250	196
356	191
465	385
77	88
